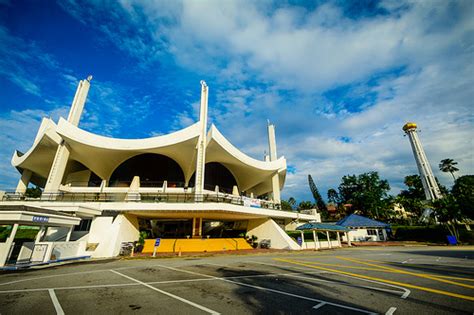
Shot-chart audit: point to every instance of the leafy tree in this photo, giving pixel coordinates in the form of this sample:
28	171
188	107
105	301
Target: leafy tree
33	192
321	205
333	196
463	192
412	199
366	192
285	205
448	166
292	202
304	205
448	212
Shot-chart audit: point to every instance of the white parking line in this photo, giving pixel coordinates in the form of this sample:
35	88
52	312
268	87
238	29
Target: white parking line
57	306
205	309
272	290
403	296
391	311
298	275
319	305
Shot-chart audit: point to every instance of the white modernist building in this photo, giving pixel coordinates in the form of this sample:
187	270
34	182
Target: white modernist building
192	189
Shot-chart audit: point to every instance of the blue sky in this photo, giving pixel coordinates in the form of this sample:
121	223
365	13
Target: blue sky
338	78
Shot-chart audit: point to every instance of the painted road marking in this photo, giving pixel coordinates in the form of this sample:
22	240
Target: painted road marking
57	306
271	290
404	295
461	296
387	271
298	275
51	276
319	305
205	309
420	275
98	286
391	311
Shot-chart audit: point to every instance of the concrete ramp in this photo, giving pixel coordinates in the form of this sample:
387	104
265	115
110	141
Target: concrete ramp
269	229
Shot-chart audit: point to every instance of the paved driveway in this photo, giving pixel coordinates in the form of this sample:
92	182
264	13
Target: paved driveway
401	280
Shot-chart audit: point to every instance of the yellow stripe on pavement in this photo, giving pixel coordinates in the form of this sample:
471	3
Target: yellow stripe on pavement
461	296
420	275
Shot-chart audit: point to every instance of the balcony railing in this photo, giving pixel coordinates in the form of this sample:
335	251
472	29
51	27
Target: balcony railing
145	198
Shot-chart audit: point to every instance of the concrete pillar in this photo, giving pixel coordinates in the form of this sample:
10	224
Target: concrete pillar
5	254
329	240
68	236
40	234
302	239
23	182
61	158
348	239
201	146
339	239
273	157
197	227
315	240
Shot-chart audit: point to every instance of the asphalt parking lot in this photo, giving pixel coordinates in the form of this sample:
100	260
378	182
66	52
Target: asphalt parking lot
389	280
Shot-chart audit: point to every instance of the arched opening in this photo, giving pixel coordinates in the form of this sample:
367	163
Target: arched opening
79	175
216	174
153	170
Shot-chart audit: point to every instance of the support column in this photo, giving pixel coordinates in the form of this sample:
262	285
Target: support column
273	157
201	145
197	227
68	236
40	234
61	158
339	239
348	239
315	240
23	182
302	239
329	240
8	246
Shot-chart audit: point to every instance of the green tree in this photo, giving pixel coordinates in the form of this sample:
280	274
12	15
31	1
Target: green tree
321	205
333	196
33	192
448	213
366	192
412	199
449	166
285	205
463	192
304	205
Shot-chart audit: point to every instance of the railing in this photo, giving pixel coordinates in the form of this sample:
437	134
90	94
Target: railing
139	197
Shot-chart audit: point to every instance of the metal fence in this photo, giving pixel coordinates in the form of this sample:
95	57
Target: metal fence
139	197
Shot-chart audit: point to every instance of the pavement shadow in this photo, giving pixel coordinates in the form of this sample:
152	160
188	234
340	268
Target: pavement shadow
267	302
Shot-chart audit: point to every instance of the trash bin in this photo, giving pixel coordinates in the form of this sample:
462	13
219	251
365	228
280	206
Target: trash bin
452	240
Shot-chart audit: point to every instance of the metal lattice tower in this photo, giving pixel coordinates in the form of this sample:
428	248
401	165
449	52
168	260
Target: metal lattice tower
430	186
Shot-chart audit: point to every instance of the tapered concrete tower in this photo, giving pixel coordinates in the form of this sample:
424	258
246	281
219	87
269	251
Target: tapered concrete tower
428	180
273	157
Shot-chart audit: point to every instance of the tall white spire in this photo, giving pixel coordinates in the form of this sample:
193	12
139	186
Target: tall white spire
430	186
61	158
273	157
201	146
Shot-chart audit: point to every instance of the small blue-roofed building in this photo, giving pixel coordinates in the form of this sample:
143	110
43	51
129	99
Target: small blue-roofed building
362	229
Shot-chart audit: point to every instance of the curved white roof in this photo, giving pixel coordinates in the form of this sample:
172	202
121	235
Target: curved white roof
103	155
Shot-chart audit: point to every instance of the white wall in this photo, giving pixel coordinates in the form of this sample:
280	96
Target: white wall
268	229
361	235
109	233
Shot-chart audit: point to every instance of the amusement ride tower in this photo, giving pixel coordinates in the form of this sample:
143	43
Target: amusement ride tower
430	186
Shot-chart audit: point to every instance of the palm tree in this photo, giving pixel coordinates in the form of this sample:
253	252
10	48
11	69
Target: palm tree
448	166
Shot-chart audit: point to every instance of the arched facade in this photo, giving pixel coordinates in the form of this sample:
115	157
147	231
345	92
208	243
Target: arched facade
217	174
153	170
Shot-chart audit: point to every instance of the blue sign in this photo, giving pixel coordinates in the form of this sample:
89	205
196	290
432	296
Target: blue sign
157	242
299	240
40	219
